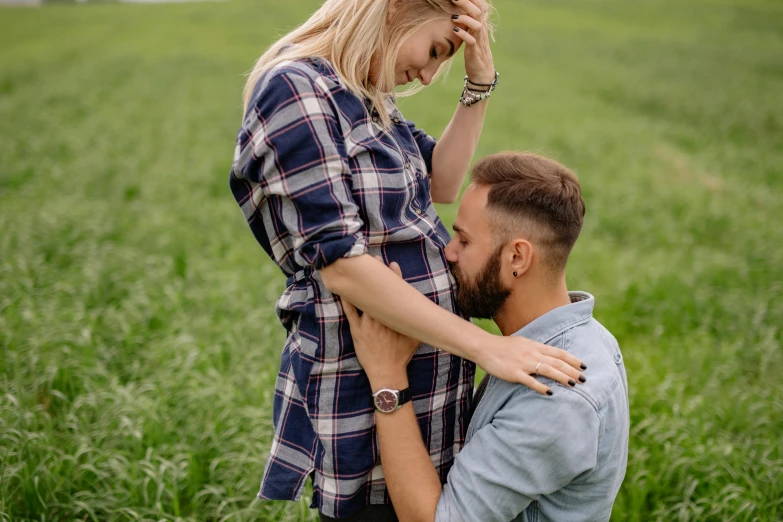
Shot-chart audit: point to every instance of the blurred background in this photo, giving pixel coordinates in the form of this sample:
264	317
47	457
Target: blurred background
138	342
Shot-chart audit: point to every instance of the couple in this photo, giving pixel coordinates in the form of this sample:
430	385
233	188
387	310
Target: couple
377	408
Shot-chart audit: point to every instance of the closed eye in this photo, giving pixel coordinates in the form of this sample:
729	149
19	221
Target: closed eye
434	53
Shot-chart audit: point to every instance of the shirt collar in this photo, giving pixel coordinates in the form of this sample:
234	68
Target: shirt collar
554	322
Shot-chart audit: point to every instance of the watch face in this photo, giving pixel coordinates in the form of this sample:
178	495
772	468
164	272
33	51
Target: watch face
386	401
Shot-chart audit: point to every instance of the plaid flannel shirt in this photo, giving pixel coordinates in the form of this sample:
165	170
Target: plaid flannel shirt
319	180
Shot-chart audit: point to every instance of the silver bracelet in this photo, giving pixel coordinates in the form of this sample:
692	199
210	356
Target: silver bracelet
473	92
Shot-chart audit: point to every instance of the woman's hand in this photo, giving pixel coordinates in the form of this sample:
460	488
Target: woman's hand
383	353
473	29
517	359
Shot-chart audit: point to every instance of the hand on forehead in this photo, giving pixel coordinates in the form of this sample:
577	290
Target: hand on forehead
473	8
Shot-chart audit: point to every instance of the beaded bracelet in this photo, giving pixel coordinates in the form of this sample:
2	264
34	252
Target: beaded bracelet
471	95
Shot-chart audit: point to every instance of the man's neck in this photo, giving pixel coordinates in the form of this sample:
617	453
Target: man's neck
528	303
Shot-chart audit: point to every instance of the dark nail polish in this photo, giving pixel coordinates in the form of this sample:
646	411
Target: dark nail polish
454	17
583	366
549	392
571	382
456	29
582	378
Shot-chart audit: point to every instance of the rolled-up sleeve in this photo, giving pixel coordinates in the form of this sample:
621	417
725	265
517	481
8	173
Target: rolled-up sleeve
534	446
296	155
425	142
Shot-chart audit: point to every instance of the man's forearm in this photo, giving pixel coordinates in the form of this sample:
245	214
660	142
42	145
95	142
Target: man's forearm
412	481
373	288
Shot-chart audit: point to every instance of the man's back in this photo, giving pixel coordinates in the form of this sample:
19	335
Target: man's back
530	457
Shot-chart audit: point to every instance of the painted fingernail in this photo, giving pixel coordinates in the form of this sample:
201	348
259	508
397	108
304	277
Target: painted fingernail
582	378
454	17
584	367
549	392
456	29
572	382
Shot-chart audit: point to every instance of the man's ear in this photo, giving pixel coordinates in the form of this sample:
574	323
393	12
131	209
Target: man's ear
521	257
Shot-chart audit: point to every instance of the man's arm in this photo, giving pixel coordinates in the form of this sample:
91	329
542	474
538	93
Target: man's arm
384	354
535	445
411	478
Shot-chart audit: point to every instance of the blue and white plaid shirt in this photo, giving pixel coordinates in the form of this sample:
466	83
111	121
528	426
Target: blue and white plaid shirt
318	180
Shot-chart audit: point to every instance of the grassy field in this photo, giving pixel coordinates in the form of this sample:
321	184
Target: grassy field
138	344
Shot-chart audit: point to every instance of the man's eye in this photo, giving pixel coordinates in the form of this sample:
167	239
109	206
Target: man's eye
434	53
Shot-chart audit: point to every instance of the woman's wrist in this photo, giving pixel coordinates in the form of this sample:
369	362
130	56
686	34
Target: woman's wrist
475	91
482	78
474	343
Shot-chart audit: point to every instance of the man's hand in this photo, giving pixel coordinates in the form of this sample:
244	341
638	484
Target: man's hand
383	353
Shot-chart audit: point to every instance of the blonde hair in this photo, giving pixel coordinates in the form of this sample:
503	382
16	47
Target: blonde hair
349	33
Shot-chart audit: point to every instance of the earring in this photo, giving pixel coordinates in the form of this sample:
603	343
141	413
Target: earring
515	274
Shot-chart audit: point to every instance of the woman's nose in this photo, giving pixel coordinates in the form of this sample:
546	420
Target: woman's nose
425	75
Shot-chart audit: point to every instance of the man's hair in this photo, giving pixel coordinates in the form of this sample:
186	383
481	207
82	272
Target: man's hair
535	196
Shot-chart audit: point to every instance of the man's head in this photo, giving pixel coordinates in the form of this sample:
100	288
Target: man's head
517	222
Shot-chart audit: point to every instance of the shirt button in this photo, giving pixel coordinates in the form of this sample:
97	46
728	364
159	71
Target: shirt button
419	211
396	120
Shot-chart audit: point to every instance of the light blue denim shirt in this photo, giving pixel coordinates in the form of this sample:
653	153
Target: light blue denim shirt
534	458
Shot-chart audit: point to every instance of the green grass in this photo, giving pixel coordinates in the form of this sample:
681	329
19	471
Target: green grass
139	343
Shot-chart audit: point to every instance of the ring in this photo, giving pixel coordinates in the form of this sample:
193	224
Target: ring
537	367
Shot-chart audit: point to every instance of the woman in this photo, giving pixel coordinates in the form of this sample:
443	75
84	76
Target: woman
330	176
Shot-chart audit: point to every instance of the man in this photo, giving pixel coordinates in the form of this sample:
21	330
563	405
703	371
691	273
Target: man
559	454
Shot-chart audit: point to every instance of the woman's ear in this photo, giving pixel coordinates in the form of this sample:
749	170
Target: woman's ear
391	11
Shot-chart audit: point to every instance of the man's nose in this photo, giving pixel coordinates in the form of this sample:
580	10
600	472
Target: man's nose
451	255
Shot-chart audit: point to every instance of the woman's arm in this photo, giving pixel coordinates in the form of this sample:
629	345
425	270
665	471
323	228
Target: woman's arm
372	287
452	155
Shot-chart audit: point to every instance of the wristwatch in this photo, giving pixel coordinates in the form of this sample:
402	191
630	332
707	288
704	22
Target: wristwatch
387	401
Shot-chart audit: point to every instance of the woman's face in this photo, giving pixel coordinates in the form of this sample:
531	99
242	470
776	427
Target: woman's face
425	50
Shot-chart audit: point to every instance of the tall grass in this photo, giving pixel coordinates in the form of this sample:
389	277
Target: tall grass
137	334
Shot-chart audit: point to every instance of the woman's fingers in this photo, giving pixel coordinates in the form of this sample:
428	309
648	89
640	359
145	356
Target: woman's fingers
466	37
545	370
467	21
469	7
573	374
534	384
557	353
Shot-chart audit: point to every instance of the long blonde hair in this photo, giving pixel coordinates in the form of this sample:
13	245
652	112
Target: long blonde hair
349	33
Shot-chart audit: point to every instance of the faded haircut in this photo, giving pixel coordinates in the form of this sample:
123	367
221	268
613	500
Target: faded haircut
536	197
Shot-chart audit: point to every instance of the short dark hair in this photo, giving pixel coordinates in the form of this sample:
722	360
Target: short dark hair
537	195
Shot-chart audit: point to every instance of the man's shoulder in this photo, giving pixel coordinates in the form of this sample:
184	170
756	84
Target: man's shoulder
589	337
595	345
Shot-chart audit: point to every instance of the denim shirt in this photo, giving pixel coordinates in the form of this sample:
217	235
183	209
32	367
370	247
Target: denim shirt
530	457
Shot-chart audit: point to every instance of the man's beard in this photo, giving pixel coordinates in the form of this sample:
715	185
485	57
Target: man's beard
482	297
